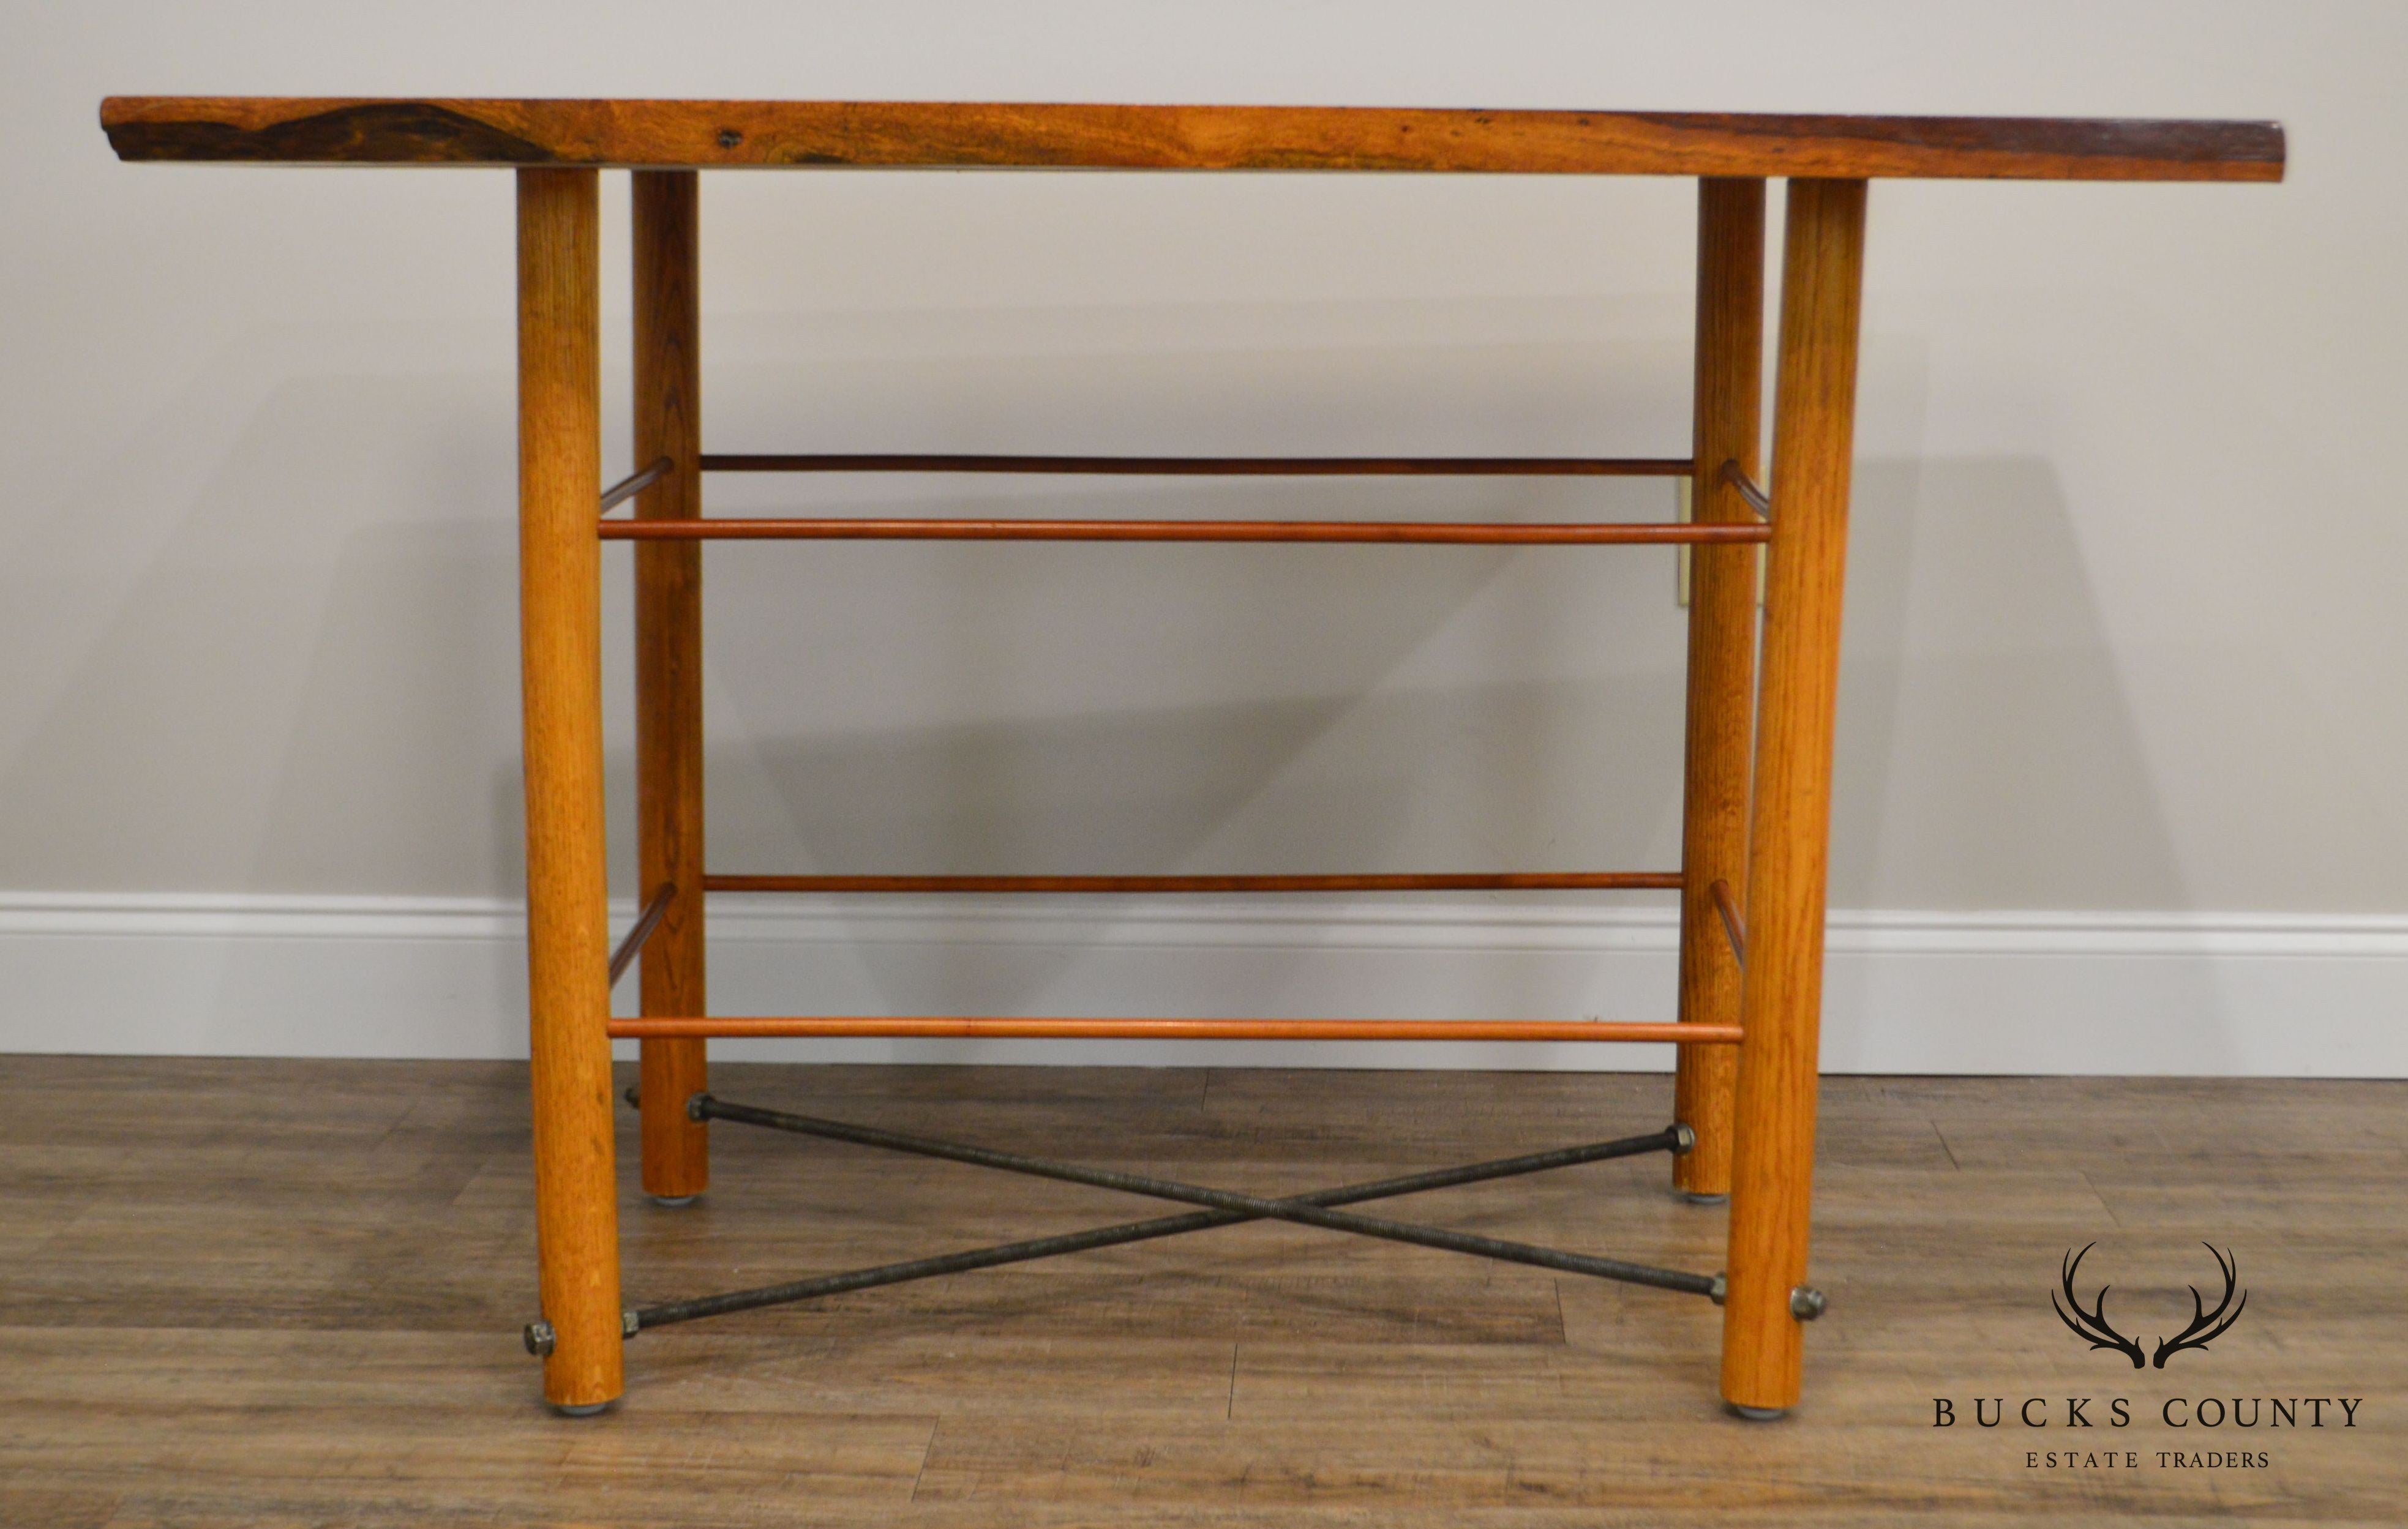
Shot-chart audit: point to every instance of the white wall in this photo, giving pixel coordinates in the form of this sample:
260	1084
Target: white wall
2124	674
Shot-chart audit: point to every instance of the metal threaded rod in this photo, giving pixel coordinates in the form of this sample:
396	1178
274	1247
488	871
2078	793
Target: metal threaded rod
624	955
1377	882
702	1106
1673	1138
892	462
1734	926
633	484
1757	500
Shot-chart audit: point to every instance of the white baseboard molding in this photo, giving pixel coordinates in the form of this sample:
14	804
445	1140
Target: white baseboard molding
2282	995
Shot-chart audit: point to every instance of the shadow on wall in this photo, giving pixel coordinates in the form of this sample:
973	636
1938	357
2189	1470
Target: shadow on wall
278	701
303	680
1985	742
1989	755
1080	707
336	713
307	686
1403	710
1462	778
1414	781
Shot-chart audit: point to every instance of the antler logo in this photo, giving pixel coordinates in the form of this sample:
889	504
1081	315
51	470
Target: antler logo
2091	1323
2206	1324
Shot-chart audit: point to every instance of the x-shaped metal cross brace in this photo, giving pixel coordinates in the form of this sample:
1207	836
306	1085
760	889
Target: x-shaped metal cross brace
1221	1207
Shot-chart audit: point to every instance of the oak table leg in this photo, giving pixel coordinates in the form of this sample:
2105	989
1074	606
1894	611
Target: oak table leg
668	673
1813	434
1722	664
560	600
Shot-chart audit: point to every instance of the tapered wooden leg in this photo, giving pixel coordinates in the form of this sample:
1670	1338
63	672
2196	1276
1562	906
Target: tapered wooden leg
1813	433
560	609
668	672
1722	664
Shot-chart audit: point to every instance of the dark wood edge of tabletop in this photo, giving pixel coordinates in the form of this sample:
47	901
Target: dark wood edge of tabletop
286	130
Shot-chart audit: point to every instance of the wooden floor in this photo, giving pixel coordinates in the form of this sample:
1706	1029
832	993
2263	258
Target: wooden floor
281	1293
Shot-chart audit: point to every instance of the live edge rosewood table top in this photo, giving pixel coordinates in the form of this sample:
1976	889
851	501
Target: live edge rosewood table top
704	134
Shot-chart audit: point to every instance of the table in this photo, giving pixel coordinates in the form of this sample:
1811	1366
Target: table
1761	688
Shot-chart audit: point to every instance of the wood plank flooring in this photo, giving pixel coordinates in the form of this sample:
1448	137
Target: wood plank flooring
288	1292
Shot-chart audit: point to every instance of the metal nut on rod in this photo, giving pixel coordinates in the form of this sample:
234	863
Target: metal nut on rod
541	1338
1806	1303
1684	1139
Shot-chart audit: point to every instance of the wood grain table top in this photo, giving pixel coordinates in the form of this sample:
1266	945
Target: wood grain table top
801	134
